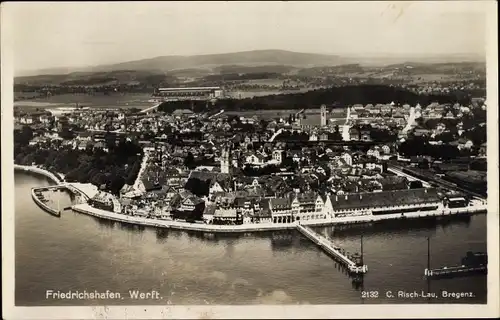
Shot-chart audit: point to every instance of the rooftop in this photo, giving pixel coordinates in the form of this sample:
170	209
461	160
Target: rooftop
385	198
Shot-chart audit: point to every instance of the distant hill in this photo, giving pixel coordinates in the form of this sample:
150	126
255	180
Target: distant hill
274	61
245	58
253	69
95	78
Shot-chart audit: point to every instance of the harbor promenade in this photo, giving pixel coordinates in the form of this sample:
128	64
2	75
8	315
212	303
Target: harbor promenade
256	227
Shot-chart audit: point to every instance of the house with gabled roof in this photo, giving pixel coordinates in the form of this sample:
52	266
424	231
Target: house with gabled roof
281	209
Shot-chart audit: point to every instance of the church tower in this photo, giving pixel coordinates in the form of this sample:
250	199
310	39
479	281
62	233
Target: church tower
323	115
224	160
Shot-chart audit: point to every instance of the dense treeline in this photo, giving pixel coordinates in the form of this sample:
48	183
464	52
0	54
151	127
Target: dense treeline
112	169
239	76
337	96
198	187
23	136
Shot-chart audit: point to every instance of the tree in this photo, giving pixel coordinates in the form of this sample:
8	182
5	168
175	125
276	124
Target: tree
23	136
116	183
133	173
189	161
198	187
416	184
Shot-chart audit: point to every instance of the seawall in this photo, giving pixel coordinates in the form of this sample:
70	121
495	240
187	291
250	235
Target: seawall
87	209
258	227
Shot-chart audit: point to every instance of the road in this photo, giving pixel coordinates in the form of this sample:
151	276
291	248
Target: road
150	108
398	172
435	180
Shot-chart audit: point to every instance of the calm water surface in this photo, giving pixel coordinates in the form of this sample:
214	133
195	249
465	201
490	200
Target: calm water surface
79	252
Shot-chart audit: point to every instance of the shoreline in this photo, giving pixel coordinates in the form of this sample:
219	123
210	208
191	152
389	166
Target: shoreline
260	227
39	171
257	227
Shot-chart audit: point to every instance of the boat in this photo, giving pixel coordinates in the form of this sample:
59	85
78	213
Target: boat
472	263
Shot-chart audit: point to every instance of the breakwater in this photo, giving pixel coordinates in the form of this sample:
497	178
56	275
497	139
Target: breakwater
35	194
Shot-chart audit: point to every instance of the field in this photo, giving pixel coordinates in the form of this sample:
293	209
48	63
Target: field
70	100
265	82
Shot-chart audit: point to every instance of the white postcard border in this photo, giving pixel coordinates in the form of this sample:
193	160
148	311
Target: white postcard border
10	311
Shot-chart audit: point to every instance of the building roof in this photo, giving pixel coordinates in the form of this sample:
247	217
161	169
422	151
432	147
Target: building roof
384	198
208	175
190	89
225	213
307	197
264	211
280	203
182	111
393	183
209	209
194	200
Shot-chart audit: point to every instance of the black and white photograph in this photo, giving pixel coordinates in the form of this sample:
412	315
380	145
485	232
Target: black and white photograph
229	159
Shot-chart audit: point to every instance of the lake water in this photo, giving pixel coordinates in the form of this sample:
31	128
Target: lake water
79	252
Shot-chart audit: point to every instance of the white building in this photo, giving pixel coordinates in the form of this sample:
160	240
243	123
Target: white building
347	158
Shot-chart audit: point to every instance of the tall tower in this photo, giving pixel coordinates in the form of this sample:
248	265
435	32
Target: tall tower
224	160
323	115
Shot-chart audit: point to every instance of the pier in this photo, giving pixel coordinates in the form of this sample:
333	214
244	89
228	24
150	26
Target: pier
473	263
455	271
334	251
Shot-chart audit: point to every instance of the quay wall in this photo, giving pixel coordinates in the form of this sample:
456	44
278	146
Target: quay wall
87	209
40	171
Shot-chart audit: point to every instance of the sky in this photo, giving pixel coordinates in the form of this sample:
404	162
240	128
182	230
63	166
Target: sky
47	35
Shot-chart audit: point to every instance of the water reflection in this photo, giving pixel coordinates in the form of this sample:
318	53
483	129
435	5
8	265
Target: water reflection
131	227
282	240
357	282
394	226
104	223
161	234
